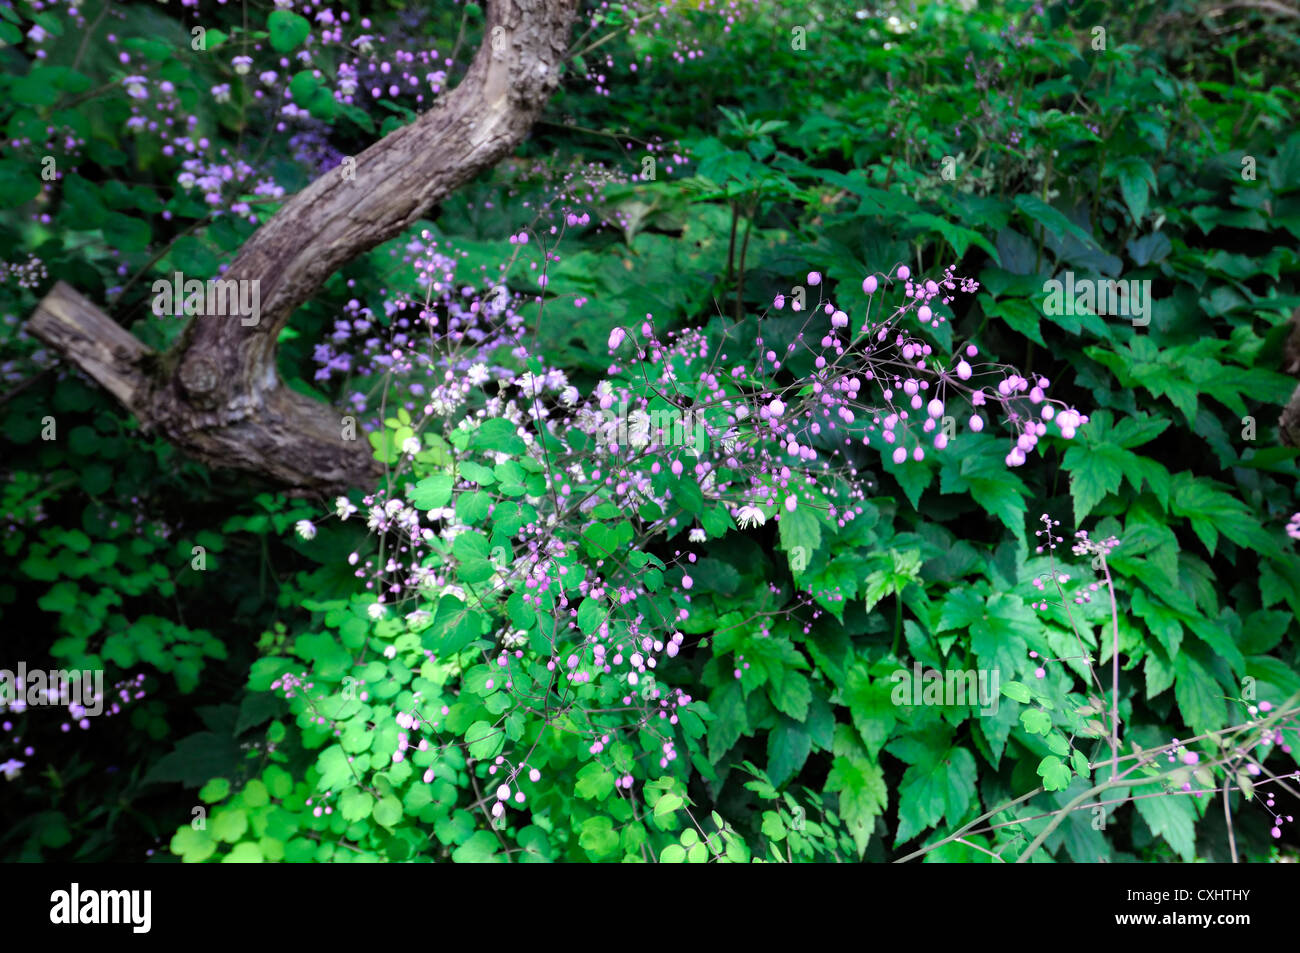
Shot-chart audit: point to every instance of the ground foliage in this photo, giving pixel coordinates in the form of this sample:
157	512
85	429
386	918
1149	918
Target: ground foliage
273	709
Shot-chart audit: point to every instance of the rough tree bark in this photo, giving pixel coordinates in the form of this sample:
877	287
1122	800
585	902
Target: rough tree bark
217	395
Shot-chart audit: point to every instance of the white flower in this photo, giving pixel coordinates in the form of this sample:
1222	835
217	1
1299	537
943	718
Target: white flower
530	384
569	396
454	591
750	516
443	407
478	374
410	521
451	531
638	428
697	535
411	445
343	507
11	768
377	610
306	529
419	617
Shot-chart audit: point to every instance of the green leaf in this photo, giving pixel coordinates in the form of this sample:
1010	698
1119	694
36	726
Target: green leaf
303	87
1036	721
595	782
245	853
871	707
1021	315
863	795
286	30
730	722
499	436
453	628
1017	692
335	772
34	89
1279	579
999	627
215	790
800	528
255	794
1172	817
1055	775
1211	512
193	846
957	237
1137	181
793	695
481	848
940	783
788	747
484	740
1200	700
229	824
1051	219
279	782
591	614
127	233
388	811
19	183
666	804
1094	472
477	473
598	837
431	493
356	805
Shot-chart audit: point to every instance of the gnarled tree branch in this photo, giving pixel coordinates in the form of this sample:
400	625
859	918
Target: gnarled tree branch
217	394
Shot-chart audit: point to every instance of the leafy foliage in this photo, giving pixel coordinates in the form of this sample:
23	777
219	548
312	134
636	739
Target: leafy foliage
278	709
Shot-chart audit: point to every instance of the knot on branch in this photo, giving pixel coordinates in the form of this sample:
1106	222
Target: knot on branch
199	377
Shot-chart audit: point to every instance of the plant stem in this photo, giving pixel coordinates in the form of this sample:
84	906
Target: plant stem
1114	684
